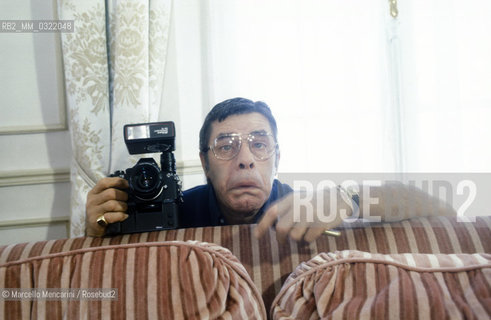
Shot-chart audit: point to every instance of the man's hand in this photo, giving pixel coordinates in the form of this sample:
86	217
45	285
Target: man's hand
106	198
394	202
302	227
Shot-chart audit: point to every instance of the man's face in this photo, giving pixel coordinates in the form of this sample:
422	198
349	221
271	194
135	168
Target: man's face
243	184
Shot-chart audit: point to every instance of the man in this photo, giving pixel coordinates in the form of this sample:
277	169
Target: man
239	154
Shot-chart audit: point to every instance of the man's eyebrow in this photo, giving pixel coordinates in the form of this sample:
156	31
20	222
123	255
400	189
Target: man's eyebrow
228	134
259	132
225	134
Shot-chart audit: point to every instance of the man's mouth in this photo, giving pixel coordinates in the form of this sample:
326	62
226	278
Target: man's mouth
245	185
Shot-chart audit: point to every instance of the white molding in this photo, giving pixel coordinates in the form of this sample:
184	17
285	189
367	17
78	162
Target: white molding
29	177
62	104
44	176
34	222
189	167
11	130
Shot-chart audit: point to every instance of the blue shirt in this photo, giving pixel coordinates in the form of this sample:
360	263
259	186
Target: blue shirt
200	207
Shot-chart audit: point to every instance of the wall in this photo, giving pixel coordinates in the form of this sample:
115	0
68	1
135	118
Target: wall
34	137
34	161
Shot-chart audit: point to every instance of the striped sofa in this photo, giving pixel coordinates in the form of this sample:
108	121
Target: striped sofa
442	264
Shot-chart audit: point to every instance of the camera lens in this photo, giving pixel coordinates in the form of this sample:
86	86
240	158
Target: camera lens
145	181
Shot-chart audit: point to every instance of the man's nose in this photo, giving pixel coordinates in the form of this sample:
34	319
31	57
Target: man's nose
245	158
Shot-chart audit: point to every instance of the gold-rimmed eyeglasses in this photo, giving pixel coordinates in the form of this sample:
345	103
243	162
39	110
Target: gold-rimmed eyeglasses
227	146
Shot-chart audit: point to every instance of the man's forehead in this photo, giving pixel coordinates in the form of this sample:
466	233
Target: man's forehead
241	123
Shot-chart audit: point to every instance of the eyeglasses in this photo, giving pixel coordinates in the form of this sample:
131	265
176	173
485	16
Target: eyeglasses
226	147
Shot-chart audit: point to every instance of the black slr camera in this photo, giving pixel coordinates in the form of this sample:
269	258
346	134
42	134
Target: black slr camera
154	194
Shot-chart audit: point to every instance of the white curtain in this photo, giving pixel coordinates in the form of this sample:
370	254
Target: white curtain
114	67
322	68
355	89
446	85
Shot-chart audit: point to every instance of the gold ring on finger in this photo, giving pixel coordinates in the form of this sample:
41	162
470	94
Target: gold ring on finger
102	221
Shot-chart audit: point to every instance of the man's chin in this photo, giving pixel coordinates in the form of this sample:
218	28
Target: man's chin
246	207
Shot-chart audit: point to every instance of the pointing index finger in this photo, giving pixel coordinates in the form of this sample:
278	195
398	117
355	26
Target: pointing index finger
268	219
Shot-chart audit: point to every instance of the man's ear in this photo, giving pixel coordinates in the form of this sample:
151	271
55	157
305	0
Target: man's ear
204	162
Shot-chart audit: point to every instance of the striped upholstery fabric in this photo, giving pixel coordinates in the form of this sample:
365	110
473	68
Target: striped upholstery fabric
154	280
360	285
269	263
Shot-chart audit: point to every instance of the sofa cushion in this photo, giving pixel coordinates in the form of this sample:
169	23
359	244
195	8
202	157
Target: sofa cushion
165	280
269	263
359	285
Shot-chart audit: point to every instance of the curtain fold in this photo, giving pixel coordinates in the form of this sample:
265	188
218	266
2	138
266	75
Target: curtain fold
114	67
